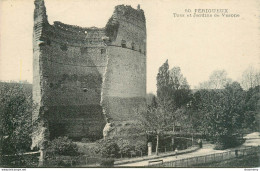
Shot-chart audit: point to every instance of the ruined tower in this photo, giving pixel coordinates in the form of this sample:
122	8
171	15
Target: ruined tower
124	86
85	77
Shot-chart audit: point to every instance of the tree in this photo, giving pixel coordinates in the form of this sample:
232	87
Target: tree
153	103
217	80
155	120
178	80
180	89
16	108
223	113
149	97
252	109
172	91
250	78
163	83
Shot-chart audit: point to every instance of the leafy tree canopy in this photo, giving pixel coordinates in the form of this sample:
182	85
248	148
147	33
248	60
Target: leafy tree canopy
16	108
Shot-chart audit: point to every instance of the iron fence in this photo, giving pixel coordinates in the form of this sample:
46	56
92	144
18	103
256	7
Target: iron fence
216	157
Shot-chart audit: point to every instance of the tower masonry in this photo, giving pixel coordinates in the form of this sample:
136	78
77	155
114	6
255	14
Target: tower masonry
88	79
124	83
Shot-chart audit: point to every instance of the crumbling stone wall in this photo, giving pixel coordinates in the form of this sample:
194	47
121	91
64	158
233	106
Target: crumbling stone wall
80	74
124	83
67	79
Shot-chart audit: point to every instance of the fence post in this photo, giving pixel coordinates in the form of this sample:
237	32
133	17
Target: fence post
41	158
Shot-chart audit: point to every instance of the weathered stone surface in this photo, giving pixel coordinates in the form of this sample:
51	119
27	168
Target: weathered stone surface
84	78
124	82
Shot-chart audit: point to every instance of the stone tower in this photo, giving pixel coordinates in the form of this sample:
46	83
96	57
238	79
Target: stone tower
84	78
124	83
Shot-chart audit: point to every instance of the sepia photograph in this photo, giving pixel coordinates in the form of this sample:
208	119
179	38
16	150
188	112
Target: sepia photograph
129	84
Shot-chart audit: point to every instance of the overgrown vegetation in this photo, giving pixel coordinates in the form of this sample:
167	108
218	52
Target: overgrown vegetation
166	111
16	108
61	152
111	29
220	109
225	114
62	146
108	148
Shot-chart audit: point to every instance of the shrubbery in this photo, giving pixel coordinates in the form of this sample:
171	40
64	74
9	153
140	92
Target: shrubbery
61	152
125	147
108	148
107	162
141	147
228	142
62	146
16	108
112	148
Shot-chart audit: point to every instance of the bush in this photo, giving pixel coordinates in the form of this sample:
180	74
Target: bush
108	148
125	147
16	107
62	146
228	142
107	162
141	146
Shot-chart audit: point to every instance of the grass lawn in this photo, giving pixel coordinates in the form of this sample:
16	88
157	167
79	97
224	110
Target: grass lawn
242	162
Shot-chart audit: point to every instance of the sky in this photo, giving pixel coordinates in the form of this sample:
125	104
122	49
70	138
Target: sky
197	45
